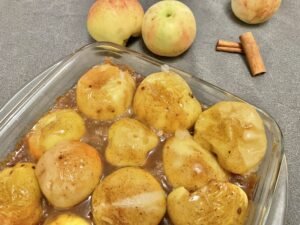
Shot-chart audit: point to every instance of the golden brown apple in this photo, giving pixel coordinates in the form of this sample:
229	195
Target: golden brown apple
105	92
20	195
218	203
165	101
189	165
235	132
67	219
129	142
128	196
53	128
68	173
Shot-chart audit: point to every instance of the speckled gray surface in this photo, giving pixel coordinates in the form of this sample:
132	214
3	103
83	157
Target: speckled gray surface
36	33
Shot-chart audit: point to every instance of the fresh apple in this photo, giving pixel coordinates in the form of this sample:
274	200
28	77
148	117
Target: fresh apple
255	11
169	28
115	21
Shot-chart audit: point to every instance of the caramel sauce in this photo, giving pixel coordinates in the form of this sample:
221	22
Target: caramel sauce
96	136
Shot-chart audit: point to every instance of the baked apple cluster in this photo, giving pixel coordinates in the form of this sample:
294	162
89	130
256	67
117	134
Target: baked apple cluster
200	150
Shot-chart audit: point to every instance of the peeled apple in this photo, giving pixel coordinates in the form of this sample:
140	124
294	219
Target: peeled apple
255	11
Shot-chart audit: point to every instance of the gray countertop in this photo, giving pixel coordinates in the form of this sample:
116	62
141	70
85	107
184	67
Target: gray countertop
34	34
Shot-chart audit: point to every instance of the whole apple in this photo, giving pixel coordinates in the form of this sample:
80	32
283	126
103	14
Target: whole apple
169	28
115	21
255	11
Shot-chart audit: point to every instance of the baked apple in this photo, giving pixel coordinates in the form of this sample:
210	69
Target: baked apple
67	219
187	164
235	132
165	101
128	196
105	92
20	195
218	203
129	142
68	173
53	128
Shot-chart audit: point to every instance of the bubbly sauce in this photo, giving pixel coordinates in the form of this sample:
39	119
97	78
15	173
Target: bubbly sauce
97	135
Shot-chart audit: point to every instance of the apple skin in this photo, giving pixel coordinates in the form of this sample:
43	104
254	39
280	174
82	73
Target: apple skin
254	11
115	21
169	28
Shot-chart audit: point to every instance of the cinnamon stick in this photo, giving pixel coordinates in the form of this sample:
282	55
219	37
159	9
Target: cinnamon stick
229	49
231	44
252	53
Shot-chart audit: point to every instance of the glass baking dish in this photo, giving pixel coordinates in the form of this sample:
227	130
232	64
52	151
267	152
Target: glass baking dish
35	99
